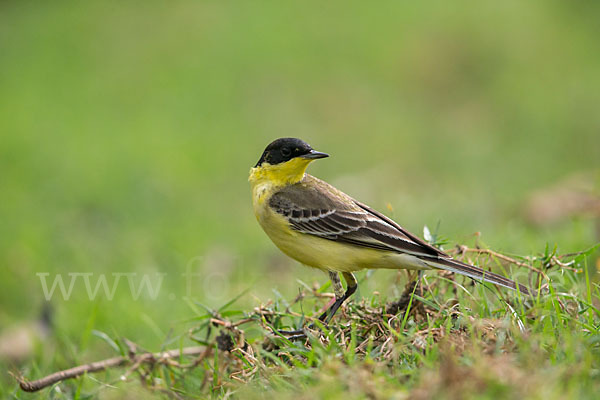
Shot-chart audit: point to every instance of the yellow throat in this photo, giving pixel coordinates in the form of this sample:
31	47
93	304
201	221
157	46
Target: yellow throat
266	177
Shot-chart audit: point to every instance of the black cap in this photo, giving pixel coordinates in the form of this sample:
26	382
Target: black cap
285	149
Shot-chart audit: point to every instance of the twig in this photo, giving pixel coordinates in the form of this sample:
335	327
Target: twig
565	265
464	249
151	358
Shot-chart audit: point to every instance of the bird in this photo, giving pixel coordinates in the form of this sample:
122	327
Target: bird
322	227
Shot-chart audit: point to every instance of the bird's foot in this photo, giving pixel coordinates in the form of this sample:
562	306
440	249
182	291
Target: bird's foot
291	333
297	334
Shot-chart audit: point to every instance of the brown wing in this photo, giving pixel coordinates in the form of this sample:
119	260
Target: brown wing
335	216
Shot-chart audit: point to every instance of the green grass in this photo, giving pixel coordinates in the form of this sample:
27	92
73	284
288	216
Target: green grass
441	339
127	130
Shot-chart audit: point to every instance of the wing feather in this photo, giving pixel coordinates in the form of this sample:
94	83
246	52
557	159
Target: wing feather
344	221
316	208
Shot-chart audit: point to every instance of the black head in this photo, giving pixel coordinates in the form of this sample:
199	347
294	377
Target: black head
284	149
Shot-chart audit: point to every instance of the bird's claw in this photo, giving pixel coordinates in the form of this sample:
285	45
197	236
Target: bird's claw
298	333
291	333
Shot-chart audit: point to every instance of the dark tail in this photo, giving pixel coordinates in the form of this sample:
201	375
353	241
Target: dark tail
476	273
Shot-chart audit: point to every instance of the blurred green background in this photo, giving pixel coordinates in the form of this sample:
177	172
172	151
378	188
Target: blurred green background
127	132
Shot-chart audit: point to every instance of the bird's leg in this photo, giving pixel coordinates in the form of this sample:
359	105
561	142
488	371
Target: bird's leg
340	295
338	289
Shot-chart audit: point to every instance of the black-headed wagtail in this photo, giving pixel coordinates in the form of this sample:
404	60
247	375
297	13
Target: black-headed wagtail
322	227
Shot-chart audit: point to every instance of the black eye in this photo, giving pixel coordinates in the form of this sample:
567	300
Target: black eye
286	152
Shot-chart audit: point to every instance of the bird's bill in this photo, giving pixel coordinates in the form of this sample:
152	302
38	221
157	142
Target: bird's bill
314	155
